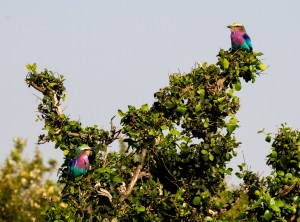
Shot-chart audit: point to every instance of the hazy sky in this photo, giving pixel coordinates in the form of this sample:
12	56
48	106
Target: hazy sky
118	53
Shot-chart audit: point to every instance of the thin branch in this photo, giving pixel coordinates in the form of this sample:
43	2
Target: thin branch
55	103
37	87
51	94
81	135
112	127
286	189
134	178
104	157
144	174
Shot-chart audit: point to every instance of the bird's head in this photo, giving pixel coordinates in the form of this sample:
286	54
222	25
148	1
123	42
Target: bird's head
83	149
236	27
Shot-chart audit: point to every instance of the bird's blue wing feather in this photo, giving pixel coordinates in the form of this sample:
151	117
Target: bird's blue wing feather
71	166
248	41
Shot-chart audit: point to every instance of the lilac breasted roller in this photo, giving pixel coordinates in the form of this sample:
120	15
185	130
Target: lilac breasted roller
239	37
80	164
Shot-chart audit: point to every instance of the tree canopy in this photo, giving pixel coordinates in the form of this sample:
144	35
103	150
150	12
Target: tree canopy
176	155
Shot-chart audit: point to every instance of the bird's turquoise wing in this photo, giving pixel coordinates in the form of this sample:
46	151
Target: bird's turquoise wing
71	167
73	171
247	44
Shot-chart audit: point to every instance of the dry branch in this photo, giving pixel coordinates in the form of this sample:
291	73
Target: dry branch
137	175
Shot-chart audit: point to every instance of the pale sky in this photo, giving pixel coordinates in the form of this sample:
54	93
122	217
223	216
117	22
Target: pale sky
119	53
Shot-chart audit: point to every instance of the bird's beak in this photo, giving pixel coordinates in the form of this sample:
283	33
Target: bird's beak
229	26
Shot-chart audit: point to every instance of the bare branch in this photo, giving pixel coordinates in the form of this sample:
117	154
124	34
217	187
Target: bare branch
55	103
286	189
103	192
104	157
51	94
81	135
112	127
135	177
144	174
37	87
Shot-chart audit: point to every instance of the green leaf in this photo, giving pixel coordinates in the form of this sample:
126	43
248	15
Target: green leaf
288	175
164	127
262	66
181	109
257	53
175	132
233	120
28	66
261	131
225	63
198	107
268	138
230	92
208	218
230	127
144	107
280	173
268	215
237	86
245	68
120	113
140	209
201	92
33	67
204	152
66	152
211	157
279	203
169	105
206	123
117	179
257	192
196	200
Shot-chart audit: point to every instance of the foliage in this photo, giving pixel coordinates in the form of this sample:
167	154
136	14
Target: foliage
23	185
177	149
276	197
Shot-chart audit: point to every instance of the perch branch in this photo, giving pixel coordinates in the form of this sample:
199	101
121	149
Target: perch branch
51	94
135	177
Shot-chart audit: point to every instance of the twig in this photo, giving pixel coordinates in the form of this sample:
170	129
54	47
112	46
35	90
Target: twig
112	127
81	135
286	189
135	177
144	174
37	87
104	157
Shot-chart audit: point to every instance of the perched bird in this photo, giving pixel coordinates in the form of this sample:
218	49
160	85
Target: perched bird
80	164
239	37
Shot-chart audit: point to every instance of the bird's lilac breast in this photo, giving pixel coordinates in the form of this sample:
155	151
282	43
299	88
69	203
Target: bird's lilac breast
82	162
237	38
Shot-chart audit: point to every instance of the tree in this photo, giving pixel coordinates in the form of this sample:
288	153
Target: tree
23	185
177	150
